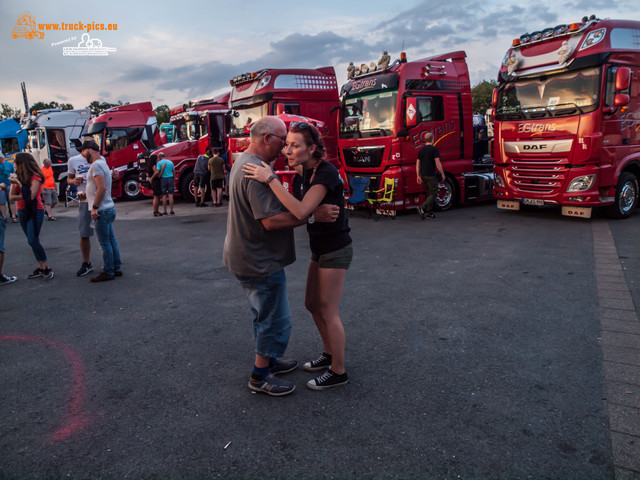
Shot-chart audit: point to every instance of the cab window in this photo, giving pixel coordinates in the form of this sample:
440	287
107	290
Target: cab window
119	138
290	108
430	109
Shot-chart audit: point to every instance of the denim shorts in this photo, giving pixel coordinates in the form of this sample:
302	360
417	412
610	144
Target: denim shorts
4	196
270	310
167	186
340	258
3	226
84	220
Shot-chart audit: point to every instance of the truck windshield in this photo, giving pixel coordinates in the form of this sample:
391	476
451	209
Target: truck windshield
10	145
564	94
242	118
368	115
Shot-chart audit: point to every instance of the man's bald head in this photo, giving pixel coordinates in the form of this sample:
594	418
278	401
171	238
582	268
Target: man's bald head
268	136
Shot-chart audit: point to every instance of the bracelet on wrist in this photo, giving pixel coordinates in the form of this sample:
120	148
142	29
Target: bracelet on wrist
272	177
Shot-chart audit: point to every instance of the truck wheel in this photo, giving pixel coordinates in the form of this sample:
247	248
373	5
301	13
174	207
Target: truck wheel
131	188
626	196
446	195
187	188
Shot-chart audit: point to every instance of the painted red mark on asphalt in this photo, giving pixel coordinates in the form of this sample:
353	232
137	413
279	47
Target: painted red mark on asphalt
76	419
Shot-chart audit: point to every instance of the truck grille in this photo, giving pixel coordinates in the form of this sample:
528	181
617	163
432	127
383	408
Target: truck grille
363	157
535	175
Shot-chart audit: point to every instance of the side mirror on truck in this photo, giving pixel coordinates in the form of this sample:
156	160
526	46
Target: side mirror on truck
621	99
623	79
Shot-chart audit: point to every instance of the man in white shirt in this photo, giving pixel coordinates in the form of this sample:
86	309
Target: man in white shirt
103	210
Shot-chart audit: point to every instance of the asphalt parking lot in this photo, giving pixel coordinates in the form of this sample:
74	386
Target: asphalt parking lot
474	350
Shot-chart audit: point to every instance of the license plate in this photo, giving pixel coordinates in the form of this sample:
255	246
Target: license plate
508	205
533	201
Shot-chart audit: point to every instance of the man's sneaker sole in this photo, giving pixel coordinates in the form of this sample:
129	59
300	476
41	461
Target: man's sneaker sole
272	386
48	275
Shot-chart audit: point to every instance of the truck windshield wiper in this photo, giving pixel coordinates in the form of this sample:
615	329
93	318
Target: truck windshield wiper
570	105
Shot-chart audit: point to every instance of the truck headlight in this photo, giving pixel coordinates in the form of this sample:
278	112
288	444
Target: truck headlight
581	184
498	180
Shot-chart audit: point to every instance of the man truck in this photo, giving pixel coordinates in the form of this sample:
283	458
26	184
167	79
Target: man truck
388	108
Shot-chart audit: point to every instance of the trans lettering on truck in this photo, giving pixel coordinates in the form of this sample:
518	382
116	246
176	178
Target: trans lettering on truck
366	83
438	131
536	127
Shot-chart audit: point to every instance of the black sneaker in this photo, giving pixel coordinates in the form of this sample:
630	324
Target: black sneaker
328	379
84	269
271	385
7	279
283	366
421	211
197	204
47	273
37	273
323	361
117	273
204	204
431	215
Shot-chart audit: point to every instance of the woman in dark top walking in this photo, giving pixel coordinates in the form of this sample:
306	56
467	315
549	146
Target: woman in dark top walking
330	243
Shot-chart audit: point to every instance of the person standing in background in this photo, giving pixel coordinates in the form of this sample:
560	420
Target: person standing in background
167	182
217	172
49	194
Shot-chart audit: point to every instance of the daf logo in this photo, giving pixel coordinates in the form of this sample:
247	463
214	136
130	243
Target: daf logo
537	146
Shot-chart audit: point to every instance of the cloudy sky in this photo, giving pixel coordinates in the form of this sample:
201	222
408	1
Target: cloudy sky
173	52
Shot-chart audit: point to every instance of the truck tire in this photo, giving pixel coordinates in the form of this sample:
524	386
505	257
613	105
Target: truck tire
626	196
131	188
187	187
447	195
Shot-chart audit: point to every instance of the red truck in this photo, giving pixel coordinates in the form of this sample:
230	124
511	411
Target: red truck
386	111
122	132
567	119
311	93
195	128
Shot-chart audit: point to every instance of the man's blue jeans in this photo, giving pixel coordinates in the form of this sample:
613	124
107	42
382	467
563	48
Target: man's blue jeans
271	315
31	229
107	240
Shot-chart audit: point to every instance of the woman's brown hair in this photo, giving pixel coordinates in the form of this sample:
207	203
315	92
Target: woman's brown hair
26	167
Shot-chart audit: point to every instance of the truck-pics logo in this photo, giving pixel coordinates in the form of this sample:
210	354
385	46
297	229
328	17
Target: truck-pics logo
536	127
26	27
